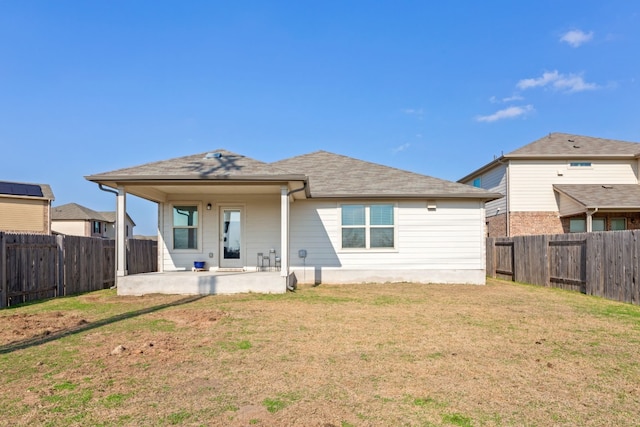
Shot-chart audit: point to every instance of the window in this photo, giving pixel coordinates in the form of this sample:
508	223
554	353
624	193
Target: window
477	182
579	164
618	223
185	227
577	225
368	226
598	224
96	227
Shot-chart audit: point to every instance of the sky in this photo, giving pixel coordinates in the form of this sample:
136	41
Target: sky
437	88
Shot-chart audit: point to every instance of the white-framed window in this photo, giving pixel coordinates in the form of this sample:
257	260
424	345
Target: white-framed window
368	226
577	225
579	164
185	226
618	223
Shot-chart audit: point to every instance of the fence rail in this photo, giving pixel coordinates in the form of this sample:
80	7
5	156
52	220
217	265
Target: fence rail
604	264
34	267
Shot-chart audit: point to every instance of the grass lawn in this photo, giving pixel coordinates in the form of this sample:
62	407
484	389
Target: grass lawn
359	355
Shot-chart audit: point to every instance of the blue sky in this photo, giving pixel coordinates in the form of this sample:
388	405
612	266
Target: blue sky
437	88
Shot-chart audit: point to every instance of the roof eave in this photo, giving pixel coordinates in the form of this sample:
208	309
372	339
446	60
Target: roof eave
146	179
483	169
485	197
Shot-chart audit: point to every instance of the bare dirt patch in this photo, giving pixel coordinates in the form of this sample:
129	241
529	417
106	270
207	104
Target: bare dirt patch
369	355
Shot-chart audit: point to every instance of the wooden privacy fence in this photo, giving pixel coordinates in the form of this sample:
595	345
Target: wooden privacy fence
34	267
604	264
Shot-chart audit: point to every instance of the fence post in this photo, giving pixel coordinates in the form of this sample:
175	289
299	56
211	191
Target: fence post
60	275
3	271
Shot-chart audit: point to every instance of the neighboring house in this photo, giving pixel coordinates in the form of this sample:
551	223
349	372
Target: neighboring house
562	183
320	217
77	220
25	208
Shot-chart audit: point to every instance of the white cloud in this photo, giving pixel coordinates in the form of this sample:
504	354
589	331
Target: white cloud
413	111
575	38
495	100
401	148
507	113
562	82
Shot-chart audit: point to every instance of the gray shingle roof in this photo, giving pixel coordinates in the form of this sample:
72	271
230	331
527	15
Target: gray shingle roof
74	211
603	196
564	146
334	175
199	166
328	175
567	145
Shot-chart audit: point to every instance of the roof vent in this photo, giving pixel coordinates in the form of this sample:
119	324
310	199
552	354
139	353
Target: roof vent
215	155
607	186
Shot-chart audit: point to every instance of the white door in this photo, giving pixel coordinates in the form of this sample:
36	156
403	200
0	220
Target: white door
231	244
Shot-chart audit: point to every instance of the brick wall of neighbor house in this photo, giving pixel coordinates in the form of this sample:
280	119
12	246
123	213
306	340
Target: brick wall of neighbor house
497	225
530	223
633	220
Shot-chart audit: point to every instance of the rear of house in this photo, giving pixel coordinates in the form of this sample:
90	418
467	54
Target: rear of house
315	218
25	207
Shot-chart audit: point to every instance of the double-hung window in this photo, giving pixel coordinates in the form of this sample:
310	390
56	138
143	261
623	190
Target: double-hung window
185	227
368	226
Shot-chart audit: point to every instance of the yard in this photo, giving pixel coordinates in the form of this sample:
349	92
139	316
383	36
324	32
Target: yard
360	355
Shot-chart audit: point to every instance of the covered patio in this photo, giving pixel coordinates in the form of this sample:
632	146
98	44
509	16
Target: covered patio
598	207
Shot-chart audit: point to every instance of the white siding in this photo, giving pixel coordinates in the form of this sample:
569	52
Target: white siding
71	228
495	181
261	230
444	245
531	181
569	206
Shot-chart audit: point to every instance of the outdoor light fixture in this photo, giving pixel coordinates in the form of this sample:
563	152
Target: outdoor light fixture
208	206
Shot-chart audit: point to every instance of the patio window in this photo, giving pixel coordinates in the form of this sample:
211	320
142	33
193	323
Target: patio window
598	224
577	225
618	223
368	226
185	227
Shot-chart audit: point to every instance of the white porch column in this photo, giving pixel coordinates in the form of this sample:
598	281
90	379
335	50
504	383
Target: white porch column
121	228
284	231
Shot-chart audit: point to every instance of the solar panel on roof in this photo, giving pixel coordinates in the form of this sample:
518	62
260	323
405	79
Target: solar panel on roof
18	189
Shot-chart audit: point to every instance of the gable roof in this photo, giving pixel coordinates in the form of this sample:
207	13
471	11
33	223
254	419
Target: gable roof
212	165
24	189
76	212
326	175
565	146
335	175
608	196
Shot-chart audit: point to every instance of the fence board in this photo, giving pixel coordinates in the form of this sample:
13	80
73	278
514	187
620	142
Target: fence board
604	264
41	266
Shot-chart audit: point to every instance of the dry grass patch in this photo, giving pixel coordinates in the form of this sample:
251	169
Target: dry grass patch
357	355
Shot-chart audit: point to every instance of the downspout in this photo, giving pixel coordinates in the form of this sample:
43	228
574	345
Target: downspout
288	283
108	190
115	272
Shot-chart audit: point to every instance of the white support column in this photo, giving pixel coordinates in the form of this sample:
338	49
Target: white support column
284	232
121	228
